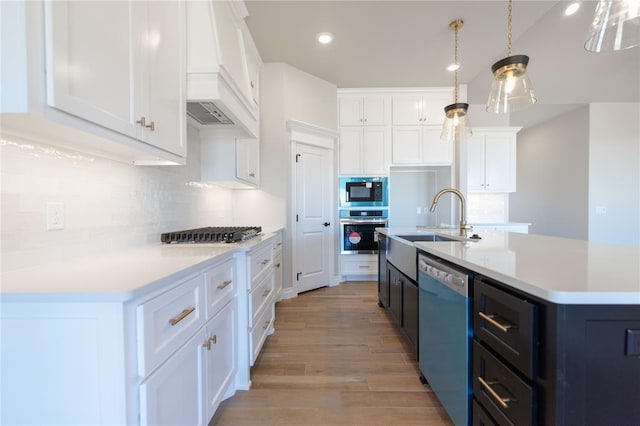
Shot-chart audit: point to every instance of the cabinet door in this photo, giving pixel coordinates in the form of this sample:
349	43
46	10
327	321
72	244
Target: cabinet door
350	151
406	145
433	106
374	146
220	357
254	63
173	394
410	312
247	160
374	112
395	294
500	163
164	75
434	149
350	110
88	45
475	163
406	110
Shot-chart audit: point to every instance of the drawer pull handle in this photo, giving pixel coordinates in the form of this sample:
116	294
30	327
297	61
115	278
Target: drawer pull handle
264	262
491	320
181	316
224	284
363	266
502	401
209	341
277	265
266	324
266	292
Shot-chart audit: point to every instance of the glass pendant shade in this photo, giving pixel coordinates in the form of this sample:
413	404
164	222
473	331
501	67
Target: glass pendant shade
511	88
615	26
456	124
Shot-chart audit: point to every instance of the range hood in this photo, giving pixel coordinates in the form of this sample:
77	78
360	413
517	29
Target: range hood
218	93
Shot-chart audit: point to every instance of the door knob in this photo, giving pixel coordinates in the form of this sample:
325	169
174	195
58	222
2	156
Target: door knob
326	224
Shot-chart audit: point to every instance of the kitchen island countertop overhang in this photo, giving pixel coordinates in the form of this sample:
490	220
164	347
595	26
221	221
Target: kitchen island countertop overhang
558	270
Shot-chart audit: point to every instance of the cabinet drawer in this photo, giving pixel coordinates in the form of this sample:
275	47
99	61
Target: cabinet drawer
506	397
220	284
167	321
260	331
259	261
277	244
358	266
260	296
480	417
507	324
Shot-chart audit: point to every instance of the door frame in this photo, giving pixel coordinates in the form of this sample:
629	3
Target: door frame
308	134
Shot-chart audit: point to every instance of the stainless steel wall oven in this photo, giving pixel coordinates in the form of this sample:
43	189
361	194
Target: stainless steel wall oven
358	230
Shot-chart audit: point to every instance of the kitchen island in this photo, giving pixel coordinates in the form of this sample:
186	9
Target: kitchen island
159	334
555	326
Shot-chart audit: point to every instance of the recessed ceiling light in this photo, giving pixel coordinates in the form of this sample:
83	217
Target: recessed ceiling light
572	8
324	38
453	67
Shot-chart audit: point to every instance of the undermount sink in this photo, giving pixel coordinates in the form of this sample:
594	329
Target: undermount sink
428	237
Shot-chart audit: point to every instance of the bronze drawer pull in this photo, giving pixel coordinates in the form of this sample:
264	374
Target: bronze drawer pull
181	316
224	284
502	401
492	321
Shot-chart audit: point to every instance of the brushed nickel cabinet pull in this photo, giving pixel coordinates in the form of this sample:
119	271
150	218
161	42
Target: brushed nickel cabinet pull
363	266
213	339
207	344
182	315
266	292
490	318
142	122
266	324
224	284
151	126
502	401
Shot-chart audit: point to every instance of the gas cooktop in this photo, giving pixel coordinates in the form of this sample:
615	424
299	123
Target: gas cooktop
215	234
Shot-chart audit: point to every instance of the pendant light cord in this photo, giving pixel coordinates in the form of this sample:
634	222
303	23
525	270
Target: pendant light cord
509	28
455	60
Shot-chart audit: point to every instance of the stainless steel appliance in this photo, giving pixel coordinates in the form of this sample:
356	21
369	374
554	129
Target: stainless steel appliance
445	334
363	192
358	230
215	234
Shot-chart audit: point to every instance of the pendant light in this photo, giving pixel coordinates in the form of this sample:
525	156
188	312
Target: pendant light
615	26
511	88
456	124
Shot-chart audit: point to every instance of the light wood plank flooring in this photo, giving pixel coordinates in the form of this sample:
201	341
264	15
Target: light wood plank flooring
335	359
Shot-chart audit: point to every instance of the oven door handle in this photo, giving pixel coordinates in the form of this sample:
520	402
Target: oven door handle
363	221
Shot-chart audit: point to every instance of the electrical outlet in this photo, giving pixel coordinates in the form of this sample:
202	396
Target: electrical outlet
601	210
55	216
418	211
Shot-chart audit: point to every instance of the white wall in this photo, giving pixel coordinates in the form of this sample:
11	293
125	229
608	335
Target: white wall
286	93
108	205
614	173
553	176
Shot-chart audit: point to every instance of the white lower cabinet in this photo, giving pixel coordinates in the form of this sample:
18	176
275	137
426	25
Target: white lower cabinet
358	264
220	357
174	393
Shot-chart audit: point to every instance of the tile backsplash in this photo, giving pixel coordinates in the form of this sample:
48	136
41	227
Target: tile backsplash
487	207
107	205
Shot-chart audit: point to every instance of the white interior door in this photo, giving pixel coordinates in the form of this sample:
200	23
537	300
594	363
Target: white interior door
313	211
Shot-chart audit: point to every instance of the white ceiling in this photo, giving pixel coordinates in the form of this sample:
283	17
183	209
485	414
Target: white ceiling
409	44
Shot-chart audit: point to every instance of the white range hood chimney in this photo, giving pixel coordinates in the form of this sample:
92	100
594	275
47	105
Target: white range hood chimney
218	86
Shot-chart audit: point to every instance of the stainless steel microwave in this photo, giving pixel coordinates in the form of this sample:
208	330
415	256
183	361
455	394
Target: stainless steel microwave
363	192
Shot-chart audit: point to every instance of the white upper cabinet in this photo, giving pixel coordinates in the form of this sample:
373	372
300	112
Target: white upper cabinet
491	161
229	162
101	77
420	108
364	150
420	145
363	110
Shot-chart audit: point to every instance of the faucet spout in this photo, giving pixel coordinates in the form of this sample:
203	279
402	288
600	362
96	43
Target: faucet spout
463	221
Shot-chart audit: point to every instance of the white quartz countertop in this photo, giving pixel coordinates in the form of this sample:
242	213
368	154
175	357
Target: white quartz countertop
559	270
117	276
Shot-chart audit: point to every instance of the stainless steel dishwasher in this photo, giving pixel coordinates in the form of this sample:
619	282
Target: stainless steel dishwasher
445	334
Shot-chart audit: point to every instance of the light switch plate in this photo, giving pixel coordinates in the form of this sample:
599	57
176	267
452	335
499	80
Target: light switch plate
55	216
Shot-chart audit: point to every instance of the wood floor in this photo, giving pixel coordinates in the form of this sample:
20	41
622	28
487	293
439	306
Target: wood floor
335	359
